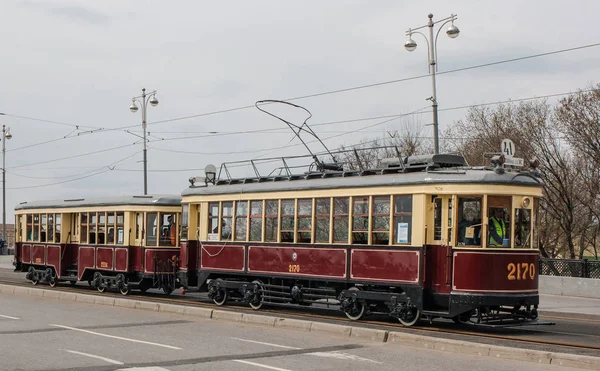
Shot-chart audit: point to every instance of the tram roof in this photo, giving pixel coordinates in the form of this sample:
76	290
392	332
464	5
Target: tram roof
149	200
471	175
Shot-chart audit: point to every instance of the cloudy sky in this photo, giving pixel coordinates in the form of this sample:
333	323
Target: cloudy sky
74	66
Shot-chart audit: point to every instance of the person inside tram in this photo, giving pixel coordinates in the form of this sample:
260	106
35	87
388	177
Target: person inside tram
497	227
225	229
169	231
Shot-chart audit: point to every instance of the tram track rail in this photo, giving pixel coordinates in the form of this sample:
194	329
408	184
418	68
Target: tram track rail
440	330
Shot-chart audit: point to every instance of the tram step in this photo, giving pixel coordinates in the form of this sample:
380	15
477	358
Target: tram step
441	313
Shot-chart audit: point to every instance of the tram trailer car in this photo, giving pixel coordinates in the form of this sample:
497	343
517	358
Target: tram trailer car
412	238
128	242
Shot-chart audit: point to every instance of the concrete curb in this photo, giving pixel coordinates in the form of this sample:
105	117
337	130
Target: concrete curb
380	336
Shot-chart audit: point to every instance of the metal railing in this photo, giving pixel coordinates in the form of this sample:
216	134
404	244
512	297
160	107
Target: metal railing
570	268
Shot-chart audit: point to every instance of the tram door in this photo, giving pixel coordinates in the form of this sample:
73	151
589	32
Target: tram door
439	244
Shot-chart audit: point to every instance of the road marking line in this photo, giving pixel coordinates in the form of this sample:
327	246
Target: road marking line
116	337
9	317
269	344
344	356
259	365
97	357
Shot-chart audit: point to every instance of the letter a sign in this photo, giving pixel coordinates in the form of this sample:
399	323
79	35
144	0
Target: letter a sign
507	148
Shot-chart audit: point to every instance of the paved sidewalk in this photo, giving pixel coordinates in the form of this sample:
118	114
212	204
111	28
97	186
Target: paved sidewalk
574	306
6	262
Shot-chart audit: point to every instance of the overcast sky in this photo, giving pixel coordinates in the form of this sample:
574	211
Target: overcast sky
71	63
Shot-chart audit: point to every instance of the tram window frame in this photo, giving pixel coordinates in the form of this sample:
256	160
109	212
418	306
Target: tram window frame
304	215
519	215
214	221
403	211
535	223
256	220
183	224
93	228
29	227
226	230
151	228
438	206
120	227
361	207
101	229
287	220
241	221
463	222
323	220
43	227
271	220
341	219
503	203
57	227
50	228
380	220
110	228
84	223
165	228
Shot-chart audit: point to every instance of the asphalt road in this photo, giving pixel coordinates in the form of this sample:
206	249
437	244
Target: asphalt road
48	334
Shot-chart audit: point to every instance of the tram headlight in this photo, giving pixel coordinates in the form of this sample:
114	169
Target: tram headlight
526	202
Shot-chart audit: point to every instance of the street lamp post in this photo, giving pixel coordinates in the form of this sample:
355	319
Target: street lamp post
411	45
6	135
143	100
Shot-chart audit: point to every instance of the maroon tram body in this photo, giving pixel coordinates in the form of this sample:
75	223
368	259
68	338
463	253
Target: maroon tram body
407	241
101	241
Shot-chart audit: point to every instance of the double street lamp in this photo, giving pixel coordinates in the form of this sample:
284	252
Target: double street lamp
143	100
6	135
411	45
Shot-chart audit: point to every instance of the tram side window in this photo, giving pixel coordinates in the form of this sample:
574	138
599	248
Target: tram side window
241	220
151	226
57	227
322	220
304	221
43	228
50	235
213	217
341	210
84	228
29	227
226	220
167	229
101	232
469	221
256	214
522	228
437	218
402	219
287	220
183	229
36	227
120	228
271	220
536	222
499	208
381	220
360	220
110	228
93	225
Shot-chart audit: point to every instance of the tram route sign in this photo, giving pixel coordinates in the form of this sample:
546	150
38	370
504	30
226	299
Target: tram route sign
507	148
514	161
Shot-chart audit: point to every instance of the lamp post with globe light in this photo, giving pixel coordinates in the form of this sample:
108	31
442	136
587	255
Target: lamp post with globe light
411	45
143	100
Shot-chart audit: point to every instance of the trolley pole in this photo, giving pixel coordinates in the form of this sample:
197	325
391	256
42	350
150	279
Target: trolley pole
143	100
6	135
411	45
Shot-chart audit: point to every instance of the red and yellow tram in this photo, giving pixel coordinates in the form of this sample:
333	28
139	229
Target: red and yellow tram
122	242
421	236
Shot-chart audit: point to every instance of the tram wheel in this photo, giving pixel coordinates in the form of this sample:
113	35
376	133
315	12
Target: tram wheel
53	281
255	303
358	308
221	295
124	290
463	317
410	318
101	288
73	283
35	281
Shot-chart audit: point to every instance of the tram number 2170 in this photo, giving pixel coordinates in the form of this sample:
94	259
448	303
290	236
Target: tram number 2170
520	271
294	268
